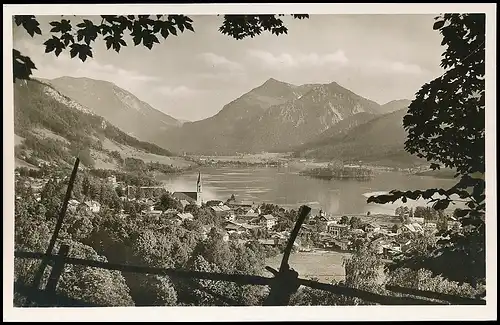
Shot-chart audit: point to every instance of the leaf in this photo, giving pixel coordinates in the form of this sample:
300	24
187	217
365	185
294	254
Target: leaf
164	32
68	38
172	30
438	24
441	205
137	40
29	23
435	166
22	66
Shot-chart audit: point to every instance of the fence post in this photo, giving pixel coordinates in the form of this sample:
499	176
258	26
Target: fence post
285	281
57	269
43	264
50	289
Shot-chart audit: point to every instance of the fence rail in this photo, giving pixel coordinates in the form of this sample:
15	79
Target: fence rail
284	283
244	279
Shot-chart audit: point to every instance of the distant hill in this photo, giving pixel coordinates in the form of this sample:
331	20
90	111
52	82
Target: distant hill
52	127
395	105
275	116
380	140
116	105
338	130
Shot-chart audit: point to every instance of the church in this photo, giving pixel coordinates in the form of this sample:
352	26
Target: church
191	197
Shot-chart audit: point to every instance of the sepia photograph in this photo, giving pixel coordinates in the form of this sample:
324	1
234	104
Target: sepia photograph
250	156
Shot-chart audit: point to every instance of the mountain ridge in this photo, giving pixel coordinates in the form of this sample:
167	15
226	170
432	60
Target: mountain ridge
117	105
272	116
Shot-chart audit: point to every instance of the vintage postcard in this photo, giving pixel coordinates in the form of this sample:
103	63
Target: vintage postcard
269	161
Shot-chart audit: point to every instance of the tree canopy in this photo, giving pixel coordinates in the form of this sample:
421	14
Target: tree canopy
145	30
446	126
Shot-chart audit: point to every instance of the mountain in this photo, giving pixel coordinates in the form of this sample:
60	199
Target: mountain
395	105
118	106
275	116
380	140
299	120
221	133
52	127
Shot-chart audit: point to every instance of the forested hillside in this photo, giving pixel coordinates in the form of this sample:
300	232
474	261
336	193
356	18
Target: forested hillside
52	127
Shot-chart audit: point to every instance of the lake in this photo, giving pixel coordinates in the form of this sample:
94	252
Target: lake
285	187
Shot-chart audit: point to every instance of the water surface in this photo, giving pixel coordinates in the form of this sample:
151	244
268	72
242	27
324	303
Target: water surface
285	187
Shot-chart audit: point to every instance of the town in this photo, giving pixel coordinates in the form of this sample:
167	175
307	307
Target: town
269	225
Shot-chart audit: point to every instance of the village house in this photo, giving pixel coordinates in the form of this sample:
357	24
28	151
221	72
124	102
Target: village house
430	227
418	220
268	242
171	212
93	206
185	203
212	203
205	230
236	204
73	205
336	230
153	213
371	227
233	227
454	223
181	217
411	228
357	232
250	215
342	243
223	211
267	221
112	180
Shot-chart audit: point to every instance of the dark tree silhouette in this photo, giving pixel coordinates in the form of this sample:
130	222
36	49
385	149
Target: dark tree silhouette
445	125
144	29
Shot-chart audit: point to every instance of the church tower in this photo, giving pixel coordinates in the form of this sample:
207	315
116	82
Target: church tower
199	199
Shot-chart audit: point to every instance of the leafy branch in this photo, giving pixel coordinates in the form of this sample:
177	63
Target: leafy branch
145	30
446	126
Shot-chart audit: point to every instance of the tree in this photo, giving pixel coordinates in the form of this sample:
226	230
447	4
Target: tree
355	222
442	221
344	220
143	29
169	202
93	285
403	212
424	280
428	213
445	125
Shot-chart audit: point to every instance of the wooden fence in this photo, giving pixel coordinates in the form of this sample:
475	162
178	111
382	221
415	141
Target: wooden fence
284	283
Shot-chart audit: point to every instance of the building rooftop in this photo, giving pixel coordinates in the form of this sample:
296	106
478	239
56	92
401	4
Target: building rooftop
188	196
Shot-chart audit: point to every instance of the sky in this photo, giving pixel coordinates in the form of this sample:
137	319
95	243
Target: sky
192	76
